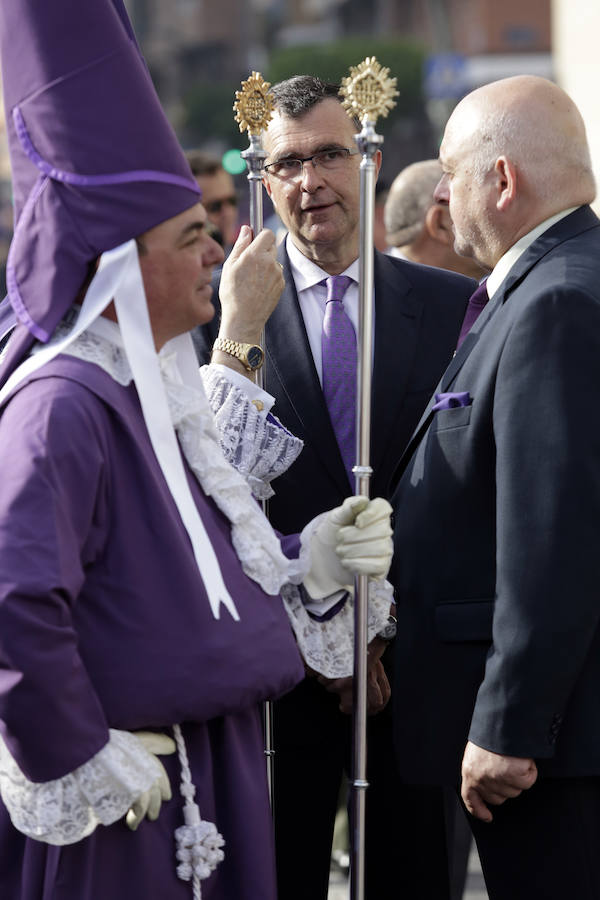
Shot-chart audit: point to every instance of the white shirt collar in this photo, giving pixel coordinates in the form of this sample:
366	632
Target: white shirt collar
395	251
506	262
306	273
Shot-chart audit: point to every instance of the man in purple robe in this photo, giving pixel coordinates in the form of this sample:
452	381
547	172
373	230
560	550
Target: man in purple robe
138	577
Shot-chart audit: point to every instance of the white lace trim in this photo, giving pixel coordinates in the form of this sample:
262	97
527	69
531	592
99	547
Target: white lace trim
258	448
328	647
254	541
68	809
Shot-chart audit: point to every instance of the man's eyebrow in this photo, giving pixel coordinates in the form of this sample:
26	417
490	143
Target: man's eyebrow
193	226
320	148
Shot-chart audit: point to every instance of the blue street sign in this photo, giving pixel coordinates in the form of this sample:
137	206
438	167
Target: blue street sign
445	76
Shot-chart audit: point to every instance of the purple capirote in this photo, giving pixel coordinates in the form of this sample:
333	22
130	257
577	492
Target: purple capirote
94	160
338	345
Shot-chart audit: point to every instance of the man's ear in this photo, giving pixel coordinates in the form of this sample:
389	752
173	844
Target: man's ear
505	173
265	181
438	224
377	157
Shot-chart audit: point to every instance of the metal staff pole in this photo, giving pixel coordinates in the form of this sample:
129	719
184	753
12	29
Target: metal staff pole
254	108
368	93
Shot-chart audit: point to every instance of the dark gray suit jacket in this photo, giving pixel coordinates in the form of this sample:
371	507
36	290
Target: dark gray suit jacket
419	311
497	543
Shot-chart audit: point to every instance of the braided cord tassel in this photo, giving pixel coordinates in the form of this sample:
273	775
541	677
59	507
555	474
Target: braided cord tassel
198	842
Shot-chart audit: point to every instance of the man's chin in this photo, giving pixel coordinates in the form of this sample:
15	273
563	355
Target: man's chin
205	313
323	231
463	248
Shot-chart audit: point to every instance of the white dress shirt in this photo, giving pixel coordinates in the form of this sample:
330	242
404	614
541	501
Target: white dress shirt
506	262
312	298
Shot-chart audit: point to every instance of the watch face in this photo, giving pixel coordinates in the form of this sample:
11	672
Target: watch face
254	357
388	632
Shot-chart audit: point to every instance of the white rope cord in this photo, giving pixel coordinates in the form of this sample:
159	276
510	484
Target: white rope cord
198	842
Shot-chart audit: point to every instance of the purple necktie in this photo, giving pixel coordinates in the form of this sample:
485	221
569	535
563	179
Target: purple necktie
477	301
338	343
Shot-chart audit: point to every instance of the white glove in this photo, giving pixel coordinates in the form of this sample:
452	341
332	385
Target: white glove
353	539
148	803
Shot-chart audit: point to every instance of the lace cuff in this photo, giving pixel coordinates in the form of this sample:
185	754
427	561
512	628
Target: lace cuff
68	809
328	646
259	447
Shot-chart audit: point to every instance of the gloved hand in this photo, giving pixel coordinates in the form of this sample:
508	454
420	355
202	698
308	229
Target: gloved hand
148	803
353	539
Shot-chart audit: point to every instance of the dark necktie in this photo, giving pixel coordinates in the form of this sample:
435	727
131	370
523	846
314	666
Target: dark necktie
477	301
338	344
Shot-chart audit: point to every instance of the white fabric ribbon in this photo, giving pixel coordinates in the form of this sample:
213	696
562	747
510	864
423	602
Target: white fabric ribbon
119	277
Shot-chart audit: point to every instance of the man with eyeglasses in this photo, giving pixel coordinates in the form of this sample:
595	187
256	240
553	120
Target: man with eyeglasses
312	178
219	196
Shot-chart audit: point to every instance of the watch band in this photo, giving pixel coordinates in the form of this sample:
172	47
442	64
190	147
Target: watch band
250	355
388	632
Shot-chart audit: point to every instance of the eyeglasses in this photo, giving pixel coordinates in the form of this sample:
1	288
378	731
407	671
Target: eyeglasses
217	205
329	160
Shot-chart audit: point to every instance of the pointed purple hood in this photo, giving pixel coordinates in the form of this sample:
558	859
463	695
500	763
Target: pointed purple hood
94	159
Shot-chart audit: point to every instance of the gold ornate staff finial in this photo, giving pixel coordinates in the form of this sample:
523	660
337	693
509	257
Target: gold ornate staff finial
368	91
253	106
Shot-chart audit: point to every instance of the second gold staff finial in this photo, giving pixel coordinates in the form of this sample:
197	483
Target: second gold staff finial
368	91
253	105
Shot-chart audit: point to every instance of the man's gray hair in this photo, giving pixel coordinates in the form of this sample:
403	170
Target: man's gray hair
410	196
297	95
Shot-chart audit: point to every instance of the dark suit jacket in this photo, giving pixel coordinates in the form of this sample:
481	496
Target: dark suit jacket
419	311
497	544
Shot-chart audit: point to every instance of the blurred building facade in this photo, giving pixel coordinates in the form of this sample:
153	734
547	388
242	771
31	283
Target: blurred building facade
576	26
187	39
214	41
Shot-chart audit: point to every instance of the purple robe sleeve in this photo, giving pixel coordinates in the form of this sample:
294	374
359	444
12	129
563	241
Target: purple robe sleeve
290	544
52	522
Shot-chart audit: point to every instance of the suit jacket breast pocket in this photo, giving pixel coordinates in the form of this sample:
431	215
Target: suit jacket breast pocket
455	417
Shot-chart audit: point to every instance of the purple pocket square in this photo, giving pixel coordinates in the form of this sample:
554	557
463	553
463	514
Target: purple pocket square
451	400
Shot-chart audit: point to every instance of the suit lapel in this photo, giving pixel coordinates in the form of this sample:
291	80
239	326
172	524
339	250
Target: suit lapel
397	314
291	370
464	351
580	220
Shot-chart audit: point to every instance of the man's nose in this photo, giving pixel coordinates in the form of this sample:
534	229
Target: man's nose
214	255
441	193
311	177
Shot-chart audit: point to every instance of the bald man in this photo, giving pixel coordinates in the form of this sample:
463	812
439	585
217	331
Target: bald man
497	562
419	228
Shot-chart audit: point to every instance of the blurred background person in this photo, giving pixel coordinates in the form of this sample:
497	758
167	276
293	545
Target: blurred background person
219	196
379	235
420	229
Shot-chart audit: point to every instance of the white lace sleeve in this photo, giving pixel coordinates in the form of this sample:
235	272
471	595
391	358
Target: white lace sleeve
328	646
260	448
68	809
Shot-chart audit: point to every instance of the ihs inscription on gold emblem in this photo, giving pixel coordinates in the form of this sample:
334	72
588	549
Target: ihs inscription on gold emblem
253	106
368	91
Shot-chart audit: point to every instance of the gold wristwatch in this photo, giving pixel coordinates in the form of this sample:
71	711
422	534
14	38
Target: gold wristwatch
251	356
